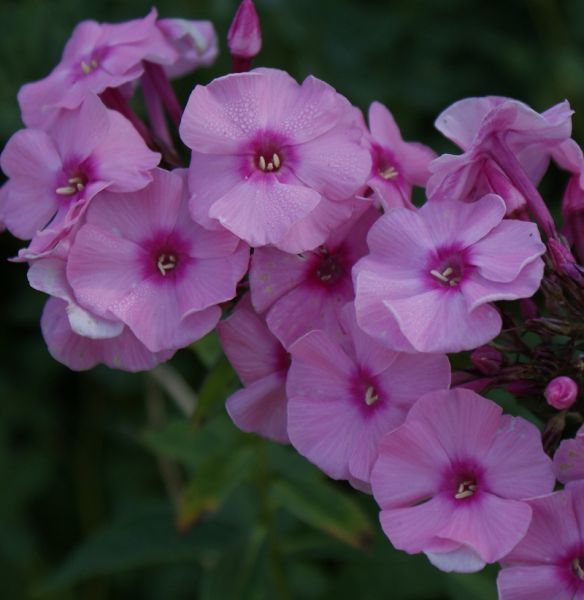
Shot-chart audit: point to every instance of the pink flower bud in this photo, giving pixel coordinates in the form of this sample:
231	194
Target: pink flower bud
487	360
244	37
561	392
563	260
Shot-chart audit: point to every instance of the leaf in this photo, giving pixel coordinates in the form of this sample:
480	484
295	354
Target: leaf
144	538
326	508
212	483
475	586
208	349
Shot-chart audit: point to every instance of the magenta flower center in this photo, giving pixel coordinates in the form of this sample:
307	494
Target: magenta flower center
447	269
268	161
383	163
89	65
466	488
166	262
329	267
73	185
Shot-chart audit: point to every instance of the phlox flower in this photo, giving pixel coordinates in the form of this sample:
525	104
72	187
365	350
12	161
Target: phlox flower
342	397
53	174
301	292
195	43
397	165
141	260
75	336
273	161
261	363
431	275
548	563
97	56
484	128
569	458
452	480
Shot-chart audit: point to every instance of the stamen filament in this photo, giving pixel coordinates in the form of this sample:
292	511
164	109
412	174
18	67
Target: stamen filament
66	190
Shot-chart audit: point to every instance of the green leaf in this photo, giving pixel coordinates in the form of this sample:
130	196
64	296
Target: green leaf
324	507
208	349
145	538
212	483
219	383
475	586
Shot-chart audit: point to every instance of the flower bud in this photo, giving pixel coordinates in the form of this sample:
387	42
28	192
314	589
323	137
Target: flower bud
563	260
487	360
561	392
244	37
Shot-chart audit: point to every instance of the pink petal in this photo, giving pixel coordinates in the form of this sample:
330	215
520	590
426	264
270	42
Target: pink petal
261	210
451	222
414	162
506	250
541	582
516	465
272	274
30	153
261	408
439	321
461	560
383	126
333	166
248	344
569	460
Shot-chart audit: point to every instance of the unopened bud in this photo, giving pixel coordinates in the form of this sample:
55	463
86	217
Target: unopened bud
561	392
244	38
487	360
563	260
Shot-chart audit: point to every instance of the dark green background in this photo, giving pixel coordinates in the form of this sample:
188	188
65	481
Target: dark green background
84	512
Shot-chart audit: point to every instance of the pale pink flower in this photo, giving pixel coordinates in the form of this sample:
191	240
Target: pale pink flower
507	148
262	364
76	337
569	459
548	563
301	292
53	174
140	259
195	43
431	275
397	165
273	161
451	482
342	397
96	57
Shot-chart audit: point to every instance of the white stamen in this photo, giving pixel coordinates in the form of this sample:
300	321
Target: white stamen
79	187
465	494
448	271
65	191
439	275
262	163
75	180
276	160
454	281
85	67
465	490
370	396
165	263
577	568
270	167
388	173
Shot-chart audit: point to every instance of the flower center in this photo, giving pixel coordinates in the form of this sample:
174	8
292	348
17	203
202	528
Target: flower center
577	568
329	268
88	66
448	277
465	489
388	173
370	396
270	163
166	263
74	186
447	268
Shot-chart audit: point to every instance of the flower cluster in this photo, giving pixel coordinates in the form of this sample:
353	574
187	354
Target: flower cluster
341	297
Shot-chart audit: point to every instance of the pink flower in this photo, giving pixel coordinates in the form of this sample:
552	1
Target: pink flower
561	392
141	260
55	173
307	291
97	56
569	459
343	397
273	161
548	563
262	364
451	481
78	338
573	214
195	43
244	38
507	147
431	275
397	165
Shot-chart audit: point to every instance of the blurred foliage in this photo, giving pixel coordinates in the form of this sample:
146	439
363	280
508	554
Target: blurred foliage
108	492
